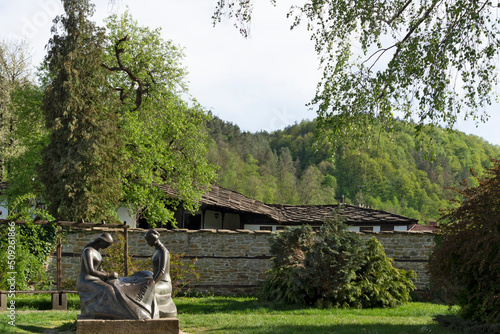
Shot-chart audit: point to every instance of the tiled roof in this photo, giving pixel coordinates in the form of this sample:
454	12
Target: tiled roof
299	214
230	199
296	214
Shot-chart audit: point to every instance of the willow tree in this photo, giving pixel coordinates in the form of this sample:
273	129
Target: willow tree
81	166
427	61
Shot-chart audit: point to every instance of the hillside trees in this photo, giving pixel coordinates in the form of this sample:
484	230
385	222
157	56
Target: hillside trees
428	61
388	174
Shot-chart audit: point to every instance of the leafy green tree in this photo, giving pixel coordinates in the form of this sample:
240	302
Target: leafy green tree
31	136
466	260
14	74
33	245
429	60
164	138
81	166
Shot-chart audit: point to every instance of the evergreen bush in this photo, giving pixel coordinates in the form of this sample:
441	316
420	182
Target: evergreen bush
333	268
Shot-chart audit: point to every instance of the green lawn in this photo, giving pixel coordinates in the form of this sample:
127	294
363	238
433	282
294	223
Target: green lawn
249	315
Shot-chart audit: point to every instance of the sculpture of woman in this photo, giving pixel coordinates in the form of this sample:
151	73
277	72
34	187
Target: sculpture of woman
105	296
161	276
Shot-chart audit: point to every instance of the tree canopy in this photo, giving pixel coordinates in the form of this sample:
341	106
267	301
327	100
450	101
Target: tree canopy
114	118
428	61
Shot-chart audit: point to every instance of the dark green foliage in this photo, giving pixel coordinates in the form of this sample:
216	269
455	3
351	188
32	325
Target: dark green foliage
33	244
81	166
379	283
466	261
333	268
293	166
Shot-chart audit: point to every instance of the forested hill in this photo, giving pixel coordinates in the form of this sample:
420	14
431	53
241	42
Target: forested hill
292	166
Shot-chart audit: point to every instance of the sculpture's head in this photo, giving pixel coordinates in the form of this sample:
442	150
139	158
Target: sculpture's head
152	237
105	240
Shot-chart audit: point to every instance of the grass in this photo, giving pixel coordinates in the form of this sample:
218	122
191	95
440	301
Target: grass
246	315
249	315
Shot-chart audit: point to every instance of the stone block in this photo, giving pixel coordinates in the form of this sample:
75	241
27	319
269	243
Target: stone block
59	301
150	326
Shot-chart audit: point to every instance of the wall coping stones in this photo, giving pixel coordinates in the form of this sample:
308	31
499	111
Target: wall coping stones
237	231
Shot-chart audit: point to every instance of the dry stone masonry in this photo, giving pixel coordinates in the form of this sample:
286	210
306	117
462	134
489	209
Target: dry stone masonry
232	262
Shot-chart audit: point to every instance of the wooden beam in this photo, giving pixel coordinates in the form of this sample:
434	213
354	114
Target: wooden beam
59	265
125	251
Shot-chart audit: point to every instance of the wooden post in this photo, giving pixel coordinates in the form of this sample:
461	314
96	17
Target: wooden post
125	251
59	256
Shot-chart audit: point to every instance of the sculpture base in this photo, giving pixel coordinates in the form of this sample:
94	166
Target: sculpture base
150	326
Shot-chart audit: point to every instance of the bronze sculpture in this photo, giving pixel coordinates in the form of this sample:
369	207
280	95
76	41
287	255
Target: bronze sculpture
105	295
161	275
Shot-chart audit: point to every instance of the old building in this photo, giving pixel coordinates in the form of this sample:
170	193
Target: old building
226	209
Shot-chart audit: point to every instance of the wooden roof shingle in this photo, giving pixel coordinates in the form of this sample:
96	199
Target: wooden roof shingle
297	214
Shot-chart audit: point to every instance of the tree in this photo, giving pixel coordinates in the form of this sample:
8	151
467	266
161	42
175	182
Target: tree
164	137
429	60
120	129
14	73
81	166
466	260
31	136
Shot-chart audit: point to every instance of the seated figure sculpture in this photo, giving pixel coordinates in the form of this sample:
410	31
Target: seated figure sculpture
161	275
106	296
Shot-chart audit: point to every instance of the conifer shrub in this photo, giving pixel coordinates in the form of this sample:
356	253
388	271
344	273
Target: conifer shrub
465	263
333	268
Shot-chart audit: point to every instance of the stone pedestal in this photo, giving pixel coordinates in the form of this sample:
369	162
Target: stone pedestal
150	326
59	301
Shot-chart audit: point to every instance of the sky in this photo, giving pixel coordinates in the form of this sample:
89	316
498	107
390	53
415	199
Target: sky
263	82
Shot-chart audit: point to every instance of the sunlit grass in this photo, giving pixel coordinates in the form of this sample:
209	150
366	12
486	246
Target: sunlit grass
250	315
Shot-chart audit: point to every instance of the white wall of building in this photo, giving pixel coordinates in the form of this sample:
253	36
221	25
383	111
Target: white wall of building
251	227
4	210
125	216
401	228
213	219
231	221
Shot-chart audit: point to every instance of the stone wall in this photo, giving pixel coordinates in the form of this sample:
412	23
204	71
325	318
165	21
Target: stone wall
234	261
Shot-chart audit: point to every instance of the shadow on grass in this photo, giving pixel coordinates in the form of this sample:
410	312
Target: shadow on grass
225	305
336	329
67	327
